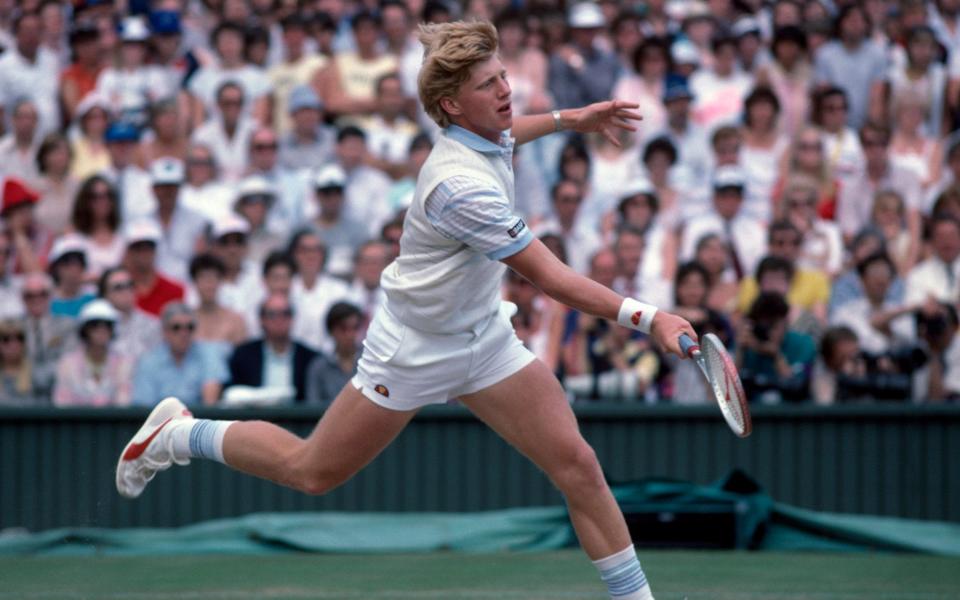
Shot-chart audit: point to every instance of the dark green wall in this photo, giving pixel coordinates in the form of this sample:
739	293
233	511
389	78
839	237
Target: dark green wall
57	466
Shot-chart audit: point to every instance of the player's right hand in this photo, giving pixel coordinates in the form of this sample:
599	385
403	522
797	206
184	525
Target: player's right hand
666	330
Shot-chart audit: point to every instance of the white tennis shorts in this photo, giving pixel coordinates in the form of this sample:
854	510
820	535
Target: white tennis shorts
402	368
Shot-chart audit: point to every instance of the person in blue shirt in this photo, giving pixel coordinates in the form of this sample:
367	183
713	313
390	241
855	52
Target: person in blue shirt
179	366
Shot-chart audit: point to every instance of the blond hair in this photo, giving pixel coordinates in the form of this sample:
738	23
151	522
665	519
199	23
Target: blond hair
450	51
24	377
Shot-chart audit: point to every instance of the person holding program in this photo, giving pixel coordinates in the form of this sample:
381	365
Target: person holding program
443	331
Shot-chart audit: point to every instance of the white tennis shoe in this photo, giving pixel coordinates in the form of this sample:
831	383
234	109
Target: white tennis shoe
150	450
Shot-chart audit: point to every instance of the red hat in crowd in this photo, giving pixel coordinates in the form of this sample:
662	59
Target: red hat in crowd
16	193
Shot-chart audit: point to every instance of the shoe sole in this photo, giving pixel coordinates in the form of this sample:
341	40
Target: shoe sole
167	410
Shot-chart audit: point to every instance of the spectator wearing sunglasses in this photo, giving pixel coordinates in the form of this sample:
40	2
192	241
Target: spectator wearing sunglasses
96	373
134	331
276	363
49	336
18	383
180	366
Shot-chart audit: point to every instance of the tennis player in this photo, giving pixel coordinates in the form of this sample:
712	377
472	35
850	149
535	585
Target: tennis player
443	332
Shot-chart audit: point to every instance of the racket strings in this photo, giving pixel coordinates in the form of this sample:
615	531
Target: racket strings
725	389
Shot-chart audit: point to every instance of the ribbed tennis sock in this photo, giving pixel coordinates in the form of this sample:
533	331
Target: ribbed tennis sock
198	438
624	577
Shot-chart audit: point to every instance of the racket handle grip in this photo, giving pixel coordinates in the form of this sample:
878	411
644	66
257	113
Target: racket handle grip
688	346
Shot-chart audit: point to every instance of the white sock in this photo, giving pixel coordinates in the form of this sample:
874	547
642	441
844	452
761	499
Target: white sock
198	438
624	577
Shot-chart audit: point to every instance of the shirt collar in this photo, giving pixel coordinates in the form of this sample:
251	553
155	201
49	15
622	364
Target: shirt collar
480	144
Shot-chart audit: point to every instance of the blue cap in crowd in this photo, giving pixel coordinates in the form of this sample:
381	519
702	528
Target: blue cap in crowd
676	88
165	22
303	96
122	131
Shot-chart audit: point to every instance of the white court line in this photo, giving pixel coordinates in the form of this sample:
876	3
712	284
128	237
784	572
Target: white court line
296	593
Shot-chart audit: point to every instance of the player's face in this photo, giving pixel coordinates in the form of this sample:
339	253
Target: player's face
482	104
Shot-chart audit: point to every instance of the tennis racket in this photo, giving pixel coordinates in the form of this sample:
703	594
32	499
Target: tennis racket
721	373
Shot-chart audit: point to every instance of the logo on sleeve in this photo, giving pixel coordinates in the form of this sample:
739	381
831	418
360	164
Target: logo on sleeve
516	229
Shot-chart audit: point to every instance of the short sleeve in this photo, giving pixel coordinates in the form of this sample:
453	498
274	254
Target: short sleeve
478	216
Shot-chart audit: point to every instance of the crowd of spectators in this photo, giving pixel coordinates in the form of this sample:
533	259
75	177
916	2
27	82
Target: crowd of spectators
198	196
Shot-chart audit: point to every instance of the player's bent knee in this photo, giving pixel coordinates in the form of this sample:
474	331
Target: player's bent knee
578	470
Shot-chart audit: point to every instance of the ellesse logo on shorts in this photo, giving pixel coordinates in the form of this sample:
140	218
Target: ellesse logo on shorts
382	390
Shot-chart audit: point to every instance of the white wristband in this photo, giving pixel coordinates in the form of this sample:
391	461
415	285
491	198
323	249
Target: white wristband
636	315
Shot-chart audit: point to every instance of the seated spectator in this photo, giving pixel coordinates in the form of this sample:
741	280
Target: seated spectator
181	227
134	331
580	240
880	326
11	305
89	146
691	292
68	265
221	328
790	75
241	280
56	187
764	146
847	286
153	289
659	158
49	336
365	291
180	366
643	82
294	72
30	239
79	78
291	187
96	373
910	146
938	328
96	218
278	271
276	362
822	242
808	162
639	208
841	144
254	200
367	186
340	231
631	281
539	319
308	142
130	84
313	291
203	189
890	218
18	148
18	378
807	290
226	133
389	131
744	235
714	255
774	362
168	138
125	172
938	277
327	375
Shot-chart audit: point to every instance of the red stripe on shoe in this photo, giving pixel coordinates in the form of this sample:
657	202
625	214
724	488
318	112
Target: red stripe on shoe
136	449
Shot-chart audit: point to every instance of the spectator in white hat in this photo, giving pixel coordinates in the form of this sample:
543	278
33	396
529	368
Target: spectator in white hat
67	264
745	237
307	141
181	227
96	373
132	85
255	198
241	279
342	234
582	72
154	289
89	146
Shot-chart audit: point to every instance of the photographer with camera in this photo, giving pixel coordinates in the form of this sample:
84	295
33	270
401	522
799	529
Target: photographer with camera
774	361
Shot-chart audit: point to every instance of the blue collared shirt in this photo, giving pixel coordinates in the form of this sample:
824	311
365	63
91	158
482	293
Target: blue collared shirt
158	375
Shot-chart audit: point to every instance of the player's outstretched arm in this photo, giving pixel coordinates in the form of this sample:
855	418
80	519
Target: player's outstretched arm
601	117
560	282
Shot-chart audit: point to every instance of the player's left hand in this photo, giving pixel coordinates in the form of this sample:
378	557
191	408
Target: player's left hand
605	117
666	330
